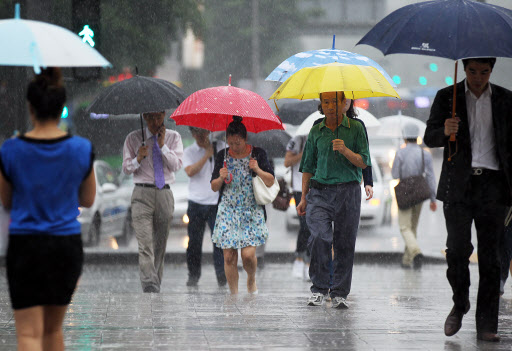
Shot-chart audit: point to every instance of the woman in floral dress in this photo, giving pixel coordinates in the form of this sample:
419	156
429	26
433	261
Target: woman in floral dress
240	222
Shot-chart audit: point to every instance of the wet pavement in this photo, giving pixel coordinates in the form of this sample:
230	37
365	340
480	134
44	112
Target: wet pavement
390	309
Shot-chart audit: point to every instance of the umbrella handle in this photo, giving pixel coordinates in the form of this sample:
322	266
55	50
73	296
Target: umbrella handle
229	179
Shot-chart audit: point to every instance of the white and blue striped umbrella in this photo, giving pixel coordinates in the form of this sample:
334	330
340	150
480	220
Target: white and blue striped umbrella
320	57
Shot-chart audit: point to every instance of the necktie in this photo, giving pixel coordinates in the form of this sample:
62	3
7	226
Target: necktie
158	166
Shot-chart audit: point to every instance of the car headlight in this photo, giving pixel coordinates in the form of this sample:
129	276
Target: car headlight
185	219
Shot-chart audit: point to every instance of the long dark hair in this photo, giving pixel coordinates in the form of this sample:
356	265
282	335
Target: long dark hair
351	112
237	128
47	94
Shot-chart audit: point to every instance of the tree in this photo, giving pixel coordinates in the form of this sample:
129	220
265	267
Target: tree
228	46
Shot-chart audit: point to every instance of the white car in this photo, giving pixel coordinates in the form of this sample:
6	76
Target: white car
110	215
374	212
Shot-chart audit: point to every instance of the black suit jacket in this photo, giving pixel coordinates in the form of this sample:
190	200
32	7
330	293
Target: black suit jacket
455	174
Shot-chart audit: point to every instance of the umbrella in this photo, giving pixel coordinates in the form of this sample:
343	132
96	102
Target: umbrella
368	119
320	57
213	109
392	126
294	112
273	141
453	29
40	44
137	95
355	80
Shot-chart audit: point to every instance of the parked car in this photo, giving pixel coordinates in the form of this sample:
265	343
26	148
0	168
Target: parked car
374	212
110	215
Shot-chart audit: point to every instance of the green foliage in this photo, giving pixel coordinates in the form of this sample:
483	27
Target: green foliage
228	45
138	33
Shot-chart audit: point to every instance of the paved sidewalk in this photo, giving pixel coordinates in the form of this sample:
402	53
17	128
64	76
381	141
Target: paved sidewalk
390	309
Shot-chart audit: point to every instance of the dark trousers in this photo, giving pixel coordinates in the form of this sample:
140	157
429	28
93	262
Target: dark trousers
506	253
485	206
198	216
303	237
340	205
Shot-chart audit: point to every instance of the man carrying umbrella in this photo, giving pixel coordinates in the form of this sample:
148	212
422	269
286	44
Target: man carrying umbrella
153	166
475	185
335	153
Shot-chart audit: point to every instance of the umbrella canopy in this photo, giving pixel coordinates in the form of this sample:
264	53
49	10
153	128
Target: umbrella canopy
452	29
320	57
392	126
294	112
274	142
40	44
213	109
137	95
369	120
355	80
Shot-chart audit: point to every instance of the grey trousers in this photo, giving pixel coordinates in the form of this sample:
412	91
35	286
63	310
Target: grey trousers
152	211
341	206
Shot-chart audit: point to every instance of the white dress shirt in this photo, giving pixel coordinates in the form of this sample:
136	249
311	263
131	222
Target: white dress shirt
481	129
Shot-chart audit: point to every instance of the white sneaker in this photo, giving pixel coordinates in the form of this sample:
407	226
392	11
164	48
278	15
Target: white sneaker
298	268
316	299
339	303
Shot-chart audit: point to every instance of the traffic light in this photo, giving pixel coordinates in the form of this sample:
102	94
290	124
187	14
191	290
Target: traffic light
65	113
397	79
448	80
86	17
423	80
433	67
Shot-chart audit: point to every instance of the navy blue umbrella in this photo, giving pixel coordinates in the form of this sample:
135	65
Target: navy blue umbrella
453	29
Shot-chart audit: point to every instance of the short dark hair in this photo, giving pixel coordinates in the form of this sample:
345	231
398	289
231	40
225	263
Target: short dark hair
198	130
237	128
490	60
351	112
46	94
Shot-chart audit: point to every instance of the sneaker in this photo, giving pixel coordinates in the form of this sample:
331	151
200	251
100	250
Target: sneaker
298	269
316	299
339	303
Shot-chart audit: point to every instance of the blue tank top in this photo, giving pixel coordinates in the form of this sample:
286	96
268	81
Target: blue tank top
45	176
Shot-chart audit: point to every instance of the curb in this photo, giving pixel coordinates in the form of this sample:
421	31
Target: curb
270	257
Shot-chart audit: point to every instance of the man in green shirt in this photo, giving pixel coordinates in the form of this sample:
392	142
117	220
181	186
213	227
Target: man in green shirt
331	166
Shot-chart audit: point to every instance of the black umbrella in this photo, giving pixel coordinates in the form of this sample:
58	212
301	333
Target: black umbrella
137	95
296	112
272	141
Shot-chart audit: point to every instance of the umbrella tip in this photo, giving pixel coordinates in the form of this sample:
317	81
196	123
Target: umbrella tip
17	10
333	41
229	80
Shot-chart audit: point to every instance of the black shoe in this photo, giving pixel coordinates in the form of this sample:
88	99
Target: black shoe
454	320
488	336
151	289
192	281
221	281
417	262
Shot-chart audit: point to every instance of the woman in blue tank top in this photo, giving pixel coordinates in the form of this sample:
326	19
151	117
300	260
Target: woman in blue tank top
46	174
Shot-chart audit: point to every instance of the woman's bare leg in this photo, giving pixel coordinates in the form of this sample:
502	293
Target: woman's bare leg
29	328
231	269
53	339
250	261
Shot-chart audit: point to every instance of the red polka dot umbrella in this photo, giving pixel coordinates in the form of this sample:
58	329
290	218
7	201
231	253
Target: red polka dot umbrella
213	109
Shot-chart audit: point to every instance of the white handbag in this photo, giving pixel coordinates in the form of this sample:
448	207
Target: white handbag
262	193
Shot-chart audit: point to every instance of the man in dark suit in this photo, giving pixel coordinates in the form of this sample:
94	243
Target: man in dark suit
475	185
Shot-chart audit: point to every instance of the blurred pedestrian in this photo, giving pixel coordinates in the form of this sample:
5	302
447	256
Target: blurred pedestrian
240	220
475	185
292	158
335	153
152	164
409	162
46	174
198	161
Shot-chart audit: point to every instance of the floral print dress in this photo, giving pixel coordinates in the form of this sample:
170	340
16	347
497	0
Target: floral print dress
240	220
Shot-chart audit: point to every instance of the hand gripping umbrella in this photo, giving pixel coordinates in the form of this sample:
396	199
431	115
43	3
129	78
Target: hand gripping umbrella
213	109
39	44
453	29
137	95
